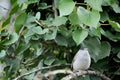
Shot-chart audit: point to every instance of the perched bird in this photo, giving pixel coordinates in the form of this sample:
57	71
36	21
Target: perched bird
4	8
81	60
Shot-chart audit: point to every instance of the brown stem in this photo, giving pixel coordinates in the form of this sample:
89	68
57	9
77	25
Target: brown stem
54	9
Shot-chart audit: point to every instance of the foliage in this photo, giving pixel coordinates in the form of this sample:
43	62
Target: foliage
48	32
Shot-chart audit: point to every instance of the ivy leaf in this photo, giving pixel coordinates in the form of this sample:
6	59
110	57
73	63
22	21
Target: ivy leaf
89	18
59	21
19	22
109	35
38	15
105	49
95	32
61	40
2	53
51	34
6	22
66	7
20	2
12	38
49	61
95	4
104	16
98	50
22	48
113	3
74	18
116	7
115	25
79	35
35	30
118	55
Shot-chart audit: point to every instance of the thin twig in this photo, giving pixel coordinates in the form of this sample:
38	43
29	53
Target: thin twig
55	72
80	73
105	24
81	4
48	67
39	23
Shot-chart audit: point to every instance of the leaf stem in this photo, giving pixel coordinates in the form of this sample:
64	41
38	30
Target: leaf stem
81	4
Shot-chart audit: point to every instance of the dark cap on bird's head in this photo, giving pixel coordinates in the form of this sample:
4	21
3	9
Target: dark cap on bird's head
83	47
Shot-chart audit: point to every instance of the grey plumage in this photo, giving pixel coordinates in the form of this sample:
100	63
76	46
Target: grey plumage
81	60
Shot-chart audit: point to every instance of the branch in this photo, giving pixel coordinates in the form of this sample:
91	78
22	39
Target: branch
39	23
81	4
39	69
55	72
80	73
105	24
54	9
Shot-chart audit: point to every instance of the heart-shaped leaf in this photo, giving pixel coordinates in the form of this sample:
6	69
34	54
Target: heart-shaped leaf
66	7
98	50
90	18
79	35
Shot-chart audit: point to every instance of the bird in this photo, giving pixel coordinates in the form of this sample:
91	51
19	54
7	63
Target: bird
81	60
4	8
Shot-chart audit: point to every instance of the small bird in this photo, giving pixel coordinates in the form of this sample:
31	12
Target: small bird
81	60
4	8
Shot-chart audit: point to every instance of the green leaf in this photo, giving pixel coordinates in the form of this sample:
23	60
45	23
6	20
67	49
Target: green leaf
20	2
109	35
74	18
35	30
95	4
38	15
19	22
14	9
2	66
88	18
118	55
2	53
6	22
95	32
66	7
59	21
49	61
105	49
51	34
33	1
104	16
115	25
13	37
79	35
44	6
15	64
21	48
98	50
61	40
113	3
116	7
30	19
116	59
